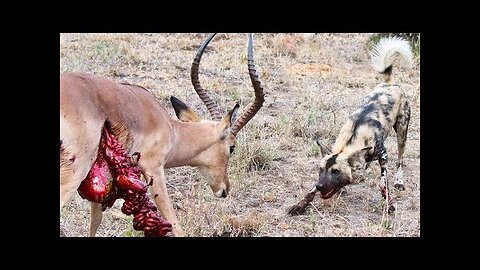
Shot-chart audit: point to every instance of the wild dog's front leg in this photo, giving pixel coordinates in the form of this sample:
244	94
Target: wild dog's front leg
399	183
300	207
383	158
162	200
401	128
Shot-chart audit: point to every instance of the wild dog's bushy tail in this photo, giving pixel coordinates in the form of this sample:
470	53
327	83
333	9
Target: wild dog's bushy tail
386	51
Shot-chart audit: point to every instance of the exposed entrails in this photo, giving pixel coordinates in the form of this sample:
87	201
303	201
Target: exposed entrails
126	185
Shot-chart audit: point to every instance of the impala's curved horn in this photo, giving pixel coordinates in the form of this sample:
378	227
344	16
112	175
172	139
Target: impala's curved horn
254	106
211	106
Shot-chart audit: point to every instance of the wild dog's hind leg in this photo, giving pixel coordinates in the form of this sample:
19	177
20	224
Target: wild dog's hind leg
401	128
382	159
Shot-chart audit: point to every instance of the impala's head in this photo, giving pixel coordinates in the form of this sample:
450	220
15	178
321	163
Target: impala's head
337	170
214	144
217	135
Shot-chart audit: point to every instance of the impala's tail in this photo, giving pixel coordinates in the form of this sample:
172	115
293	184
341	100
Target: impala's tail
386	51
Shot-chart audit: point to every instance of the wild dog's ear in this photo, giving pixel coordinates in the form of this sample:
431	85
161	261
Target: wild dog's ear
183	112
356	160
228	120
323	148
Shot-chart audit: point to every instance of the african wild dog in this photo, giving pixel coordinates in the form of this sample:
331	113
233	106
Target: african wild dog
361	139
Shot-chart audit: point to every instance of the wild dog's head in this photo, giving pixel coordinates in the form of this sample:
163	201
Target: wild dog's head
338	170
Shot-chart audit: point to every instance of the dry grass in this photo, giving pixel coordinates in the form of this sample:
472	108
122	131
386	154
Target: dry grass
312	83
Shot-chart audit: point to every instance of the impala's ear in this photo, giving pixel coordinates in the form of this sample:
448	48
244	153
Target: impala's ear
228	120
234	114
183	112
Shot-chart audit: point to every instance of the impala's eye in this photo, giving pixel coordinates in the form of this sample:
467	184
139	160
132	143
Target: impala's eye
232	148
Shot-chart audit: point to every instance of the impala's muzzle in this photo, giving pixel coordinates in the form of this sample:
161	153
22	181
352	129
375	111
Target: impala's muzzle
220	185
222	192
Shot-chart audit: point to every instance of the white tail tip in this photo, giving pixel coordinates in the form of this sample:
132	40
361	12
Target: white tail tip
387	50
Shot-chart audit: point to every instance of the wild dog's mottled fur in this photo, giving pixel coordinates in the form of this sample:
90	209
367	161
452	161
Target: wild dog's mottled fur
361	138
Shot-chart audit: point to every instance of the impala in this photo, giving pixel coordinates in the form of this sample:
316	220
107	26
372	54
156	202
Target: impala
144	126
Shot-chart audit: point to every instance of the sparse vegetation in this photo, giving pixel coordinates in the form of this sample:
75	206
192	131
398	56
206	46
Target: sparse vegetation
312	83
313	150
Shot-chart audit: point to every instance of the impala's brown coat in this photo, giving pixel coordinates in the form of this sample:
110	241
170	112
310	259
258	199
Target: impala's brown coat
86	101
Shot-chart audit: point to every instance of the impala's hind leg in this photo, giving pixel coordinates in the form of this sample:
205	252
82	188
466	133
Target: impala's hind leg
71	176
73	169
96	215
77	155
401	128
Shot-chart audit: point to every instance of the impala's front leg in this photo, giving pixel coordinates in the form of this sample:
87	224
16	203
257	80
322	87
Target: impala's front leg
162	200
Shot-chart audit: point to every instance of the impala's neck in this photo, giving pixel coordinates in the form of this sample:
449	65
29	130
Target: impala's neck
190	139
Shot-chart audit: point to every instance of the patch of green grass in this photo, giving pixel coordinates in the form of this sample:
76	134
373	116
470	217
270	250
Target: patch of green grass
305	124
387	224
313	220
283	124
312	117
313	150
232	93
106	49
101	45
252	152
251	157
129	233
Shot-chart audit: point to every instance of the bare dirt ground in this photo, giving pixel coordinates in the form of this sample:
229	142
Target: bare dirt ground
312	83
